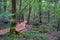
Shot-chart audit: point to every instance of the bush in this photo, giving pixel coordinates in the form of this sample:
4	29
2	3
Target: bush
5	19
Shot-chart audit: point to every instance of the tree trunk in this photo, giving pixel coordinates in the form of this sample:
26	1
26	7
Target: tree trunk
30	8
5	5
0	6
58	27
48	16
13	24
21	15
40	13
14	12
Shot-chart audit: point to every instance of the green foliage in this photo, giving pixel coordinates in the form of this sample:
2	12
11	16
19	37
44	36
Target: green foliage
32	34
57	11
7	15
44	6
2	3
6	20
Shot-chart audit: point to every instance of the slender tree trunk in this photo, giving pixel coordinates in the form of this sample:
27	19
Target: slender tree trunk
20	11
58	27
30	8
40	13
5	5
58	23
21	15
48	16
0	6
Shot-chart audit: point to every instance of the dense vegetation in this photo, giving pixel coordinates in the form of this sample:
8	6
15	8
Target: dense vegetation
42	16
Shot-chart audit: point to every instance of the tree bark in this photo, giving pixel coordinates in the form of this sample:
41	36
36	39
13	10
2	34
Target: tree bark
40	13
14	12
30	8
13	24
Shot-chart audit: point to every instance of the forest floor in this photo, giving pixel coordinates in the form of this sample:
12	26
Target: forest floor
53	35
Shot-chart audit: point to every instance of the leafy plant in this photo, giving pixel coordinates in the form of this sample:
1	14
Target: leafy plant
5	19
32	34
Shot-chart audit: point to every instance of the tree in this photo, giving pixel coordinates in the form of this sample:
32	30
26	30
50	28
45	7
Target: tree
5	5
58	27
0	5
30	8
21	15
57	12
40	12
14	12
13	24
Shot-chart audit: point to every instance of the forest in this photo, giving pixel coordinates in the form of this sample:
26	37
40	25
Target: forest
29	19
